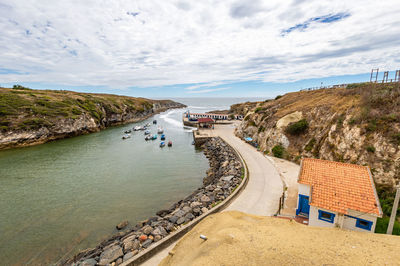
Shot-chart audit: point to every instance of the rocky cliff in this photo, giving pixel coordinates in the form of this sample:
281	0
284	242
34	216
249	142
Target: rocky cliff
30	117
359	124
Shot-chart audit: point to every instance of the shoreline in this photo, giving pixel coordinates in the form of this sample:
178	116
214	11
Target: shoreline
26	142
224	176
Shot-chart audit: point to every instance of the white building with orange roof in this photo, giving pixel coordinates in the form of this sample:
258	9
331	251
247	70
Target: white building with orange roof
337	194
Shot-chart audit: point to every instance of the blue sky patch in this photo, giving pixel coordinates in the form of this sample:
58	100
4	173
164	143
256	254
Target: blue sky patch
323	19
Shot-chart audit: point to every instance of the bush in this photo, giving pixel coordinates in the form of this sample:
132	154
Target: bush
382	224
277	97
310	144
258	109
298	127
371	126
261	129
278	151
370	149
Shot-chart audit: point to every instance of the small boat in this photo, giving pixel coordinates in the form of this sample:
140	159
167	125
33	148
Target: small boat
193	143
162	137
154	122
137	128
128	131
147	132
160	130
148	137
169	143
148	125
154	137
126	136
162	144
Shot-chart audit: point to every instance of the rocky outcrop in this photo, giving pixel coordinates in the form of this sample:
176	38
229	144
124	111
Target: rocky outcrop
344	125
84	123
223	177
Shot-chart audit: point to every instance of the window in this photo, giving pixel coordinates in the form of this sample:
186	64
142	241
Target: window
364	224
326	216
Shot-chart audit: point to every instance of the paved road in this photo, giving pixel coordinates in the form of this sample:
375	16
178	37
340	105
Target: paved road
262	193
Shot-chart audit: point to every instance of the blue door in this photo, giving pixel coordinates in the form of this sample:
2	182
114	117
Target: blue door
304	206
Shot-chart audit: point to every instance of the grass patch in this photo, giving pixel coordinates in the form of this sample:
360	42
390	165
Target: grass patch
216	203
242	173
298	127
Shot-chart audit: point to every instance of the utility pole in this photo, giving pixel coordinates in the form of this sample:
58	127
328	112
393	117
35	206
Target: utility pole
394	212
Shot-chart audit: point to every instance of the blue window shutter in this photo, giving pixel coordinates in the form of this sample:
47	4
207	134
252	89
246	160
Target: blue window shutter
326	216
364	224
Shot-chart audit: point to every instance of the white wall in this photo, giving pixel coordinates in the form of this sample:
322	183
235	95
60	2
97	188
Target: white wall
314	221
304	189
350	223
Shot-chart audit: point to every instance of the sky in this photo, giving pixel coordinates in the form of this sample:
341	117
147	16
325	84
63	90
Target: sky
178	48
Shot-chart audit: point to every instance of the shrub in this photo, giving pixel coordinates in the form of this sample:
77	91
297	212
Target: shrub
298	127
310	144
371	126
278	151
258	109
277	97
382	224
370	149
261	129
19	87
252	124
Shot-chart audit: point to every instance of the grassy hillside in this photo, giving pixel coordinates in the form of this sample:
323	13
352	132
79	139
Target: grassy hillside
23	109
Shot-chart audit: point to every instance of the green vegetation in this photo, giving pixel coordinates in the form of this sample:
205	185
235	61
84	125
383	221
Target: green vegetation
242	173
25	109
278	151
382	224
298	127
370	149
258	109
252	123
261	129
277	97
310	144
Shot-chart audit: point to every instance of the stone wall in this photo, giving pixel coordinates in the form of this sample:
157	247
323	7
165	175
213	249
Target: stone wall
223	177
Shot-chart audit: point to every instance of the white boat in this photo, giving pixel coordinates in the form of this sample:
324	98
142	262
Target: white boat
126	136
160	130
137	128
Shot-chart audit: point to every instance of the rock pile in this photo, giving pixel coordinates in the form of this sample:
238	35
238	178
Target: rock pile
224	175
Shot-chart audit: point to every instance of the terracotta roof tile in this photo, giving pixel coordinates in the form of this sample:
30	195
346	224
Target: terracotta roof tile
339	186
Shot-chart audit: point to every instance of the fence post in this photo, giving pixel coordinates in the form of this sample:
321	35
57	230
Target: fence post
394	212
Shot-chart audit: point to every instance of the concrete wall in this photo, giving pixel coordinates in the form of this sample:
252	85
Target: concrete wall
350	221
314	221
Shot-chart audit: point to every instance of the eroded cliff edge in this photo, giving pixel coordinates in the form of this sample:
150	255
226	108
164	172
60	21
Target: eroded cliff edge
29	117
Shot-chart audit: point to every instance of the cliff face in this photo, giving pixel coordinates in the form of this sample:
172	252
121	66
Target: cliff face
30	117
359	124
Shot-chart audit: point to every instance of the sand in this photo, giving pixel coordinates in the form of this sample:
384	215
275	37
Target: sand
236	238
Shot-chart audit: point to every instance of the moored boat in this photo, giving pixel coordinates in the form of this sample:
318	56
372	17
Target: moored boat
126	136
148	137
160	130
162	144
162	137
154	137
169	143
137	128
147	132
154	122
128	131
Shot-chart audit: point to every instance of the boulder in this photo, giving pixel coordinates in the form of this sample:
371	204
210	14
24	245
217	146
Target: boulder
195	204
157	238
121	225
181	220
189	217
180	213
118	261
111	254
205	199
142	238
127	256
227	178
204	210
173	219
162	213
159	231
147	229
88	262
130	245
196	210
187	209
147	243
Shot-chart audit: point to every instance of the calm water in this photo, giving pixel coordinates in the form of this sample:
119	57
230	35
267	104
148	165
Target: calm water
67	195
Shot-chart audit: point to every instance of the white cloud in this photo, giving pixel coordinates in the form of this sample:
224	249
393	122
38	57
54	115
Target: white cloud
208	90
154	43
